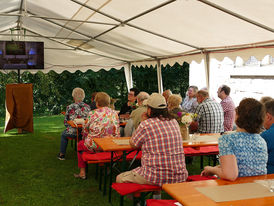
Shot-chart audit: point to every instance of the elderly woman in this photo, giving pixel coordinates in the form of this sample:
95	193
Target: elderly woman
76	110
102	122
190	101
173	104
243	153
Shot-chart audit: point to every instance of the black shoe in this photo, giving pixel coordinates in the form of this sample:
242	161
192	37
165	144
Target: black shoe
61	156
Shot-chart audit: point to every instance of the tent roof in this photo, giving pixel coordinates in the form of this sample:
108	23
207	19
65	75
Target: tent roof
95	34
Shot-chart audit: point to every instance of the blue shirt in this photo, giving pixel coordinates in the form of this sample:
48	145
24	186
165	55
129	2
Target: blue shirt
268	136
250	151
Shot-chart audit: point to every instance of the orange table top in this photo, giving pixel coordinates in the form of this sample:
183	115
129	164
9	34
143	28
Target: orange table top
187	195
108	145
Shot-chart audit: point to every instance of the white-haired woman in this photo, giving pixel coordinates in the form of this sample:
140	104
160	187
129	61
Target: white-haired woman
190	101
78	109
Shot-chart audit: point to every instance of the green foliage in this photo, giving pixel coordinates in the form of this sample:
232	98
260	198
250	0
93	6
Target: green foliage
145	78
52	91
175	78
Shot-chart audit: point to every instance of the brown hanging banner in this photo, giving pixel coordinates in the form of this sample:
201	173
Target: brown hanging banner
19	107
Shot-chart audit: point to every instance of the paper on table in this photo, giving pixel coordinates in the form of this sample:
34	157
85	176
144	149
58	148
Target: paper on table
121	141
235	192
205	138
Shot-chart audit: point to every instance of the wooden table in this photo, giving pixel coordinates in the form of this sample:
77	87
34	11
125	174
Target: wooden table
108	145
203	140
187	195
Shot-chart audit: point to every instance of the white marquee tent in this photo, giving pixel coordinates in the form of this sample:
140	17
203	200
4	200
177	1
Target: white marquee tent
96	34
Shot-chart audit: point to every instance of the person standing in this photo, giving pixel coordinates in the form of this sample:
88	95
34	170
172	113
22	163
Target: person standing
228	107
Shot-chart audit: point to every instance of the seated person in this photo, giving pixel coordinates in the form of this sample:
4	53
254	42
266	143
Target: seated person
76	110
93	103
210	114
243	153
160	140
136	115
190	101
268	135
102	122
130	105
166	94
265	99
173	105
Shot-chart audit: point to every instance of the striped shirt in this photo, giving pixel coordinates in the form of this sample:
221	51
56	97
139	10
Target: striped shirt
163	159
210	117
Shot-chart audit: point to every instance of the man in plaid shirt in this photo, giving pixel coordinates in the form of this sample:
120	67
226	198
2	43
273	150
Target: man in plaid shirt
210	114
160	140
228	107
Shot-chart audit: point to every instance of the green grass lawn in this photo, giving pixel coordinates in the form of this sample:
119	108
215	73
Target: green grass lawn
30	173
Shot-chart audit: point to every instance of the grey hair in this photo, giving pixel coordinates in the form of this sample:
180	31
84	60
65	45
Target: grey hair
142	96
78	94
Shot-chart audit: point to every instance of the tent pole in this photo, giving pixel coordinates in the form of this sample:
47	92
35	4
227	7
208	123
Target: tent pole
207	70
128	75
159	77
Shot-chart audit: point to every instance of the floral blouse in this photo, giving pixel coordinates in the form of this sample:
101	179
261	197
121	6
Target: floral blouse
75	110
102	122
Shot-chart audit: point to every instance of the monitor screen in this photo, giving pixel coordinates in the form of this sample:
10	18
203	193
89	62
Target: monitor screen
21	55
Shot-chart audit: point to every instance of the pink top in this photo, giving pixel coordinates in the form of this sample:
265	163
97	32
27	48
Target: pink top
163	159
229	113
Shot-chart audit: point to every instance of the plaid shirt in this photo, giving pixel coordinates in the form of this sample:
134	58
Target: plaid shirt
229	113
163	159
210	117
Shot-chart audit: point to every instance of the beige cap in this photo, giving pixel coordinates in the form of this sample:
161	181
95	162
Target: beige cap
156	101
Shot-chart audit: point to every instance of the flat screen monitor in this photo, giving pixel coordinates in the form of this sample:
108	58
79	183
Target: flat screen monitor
21	55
